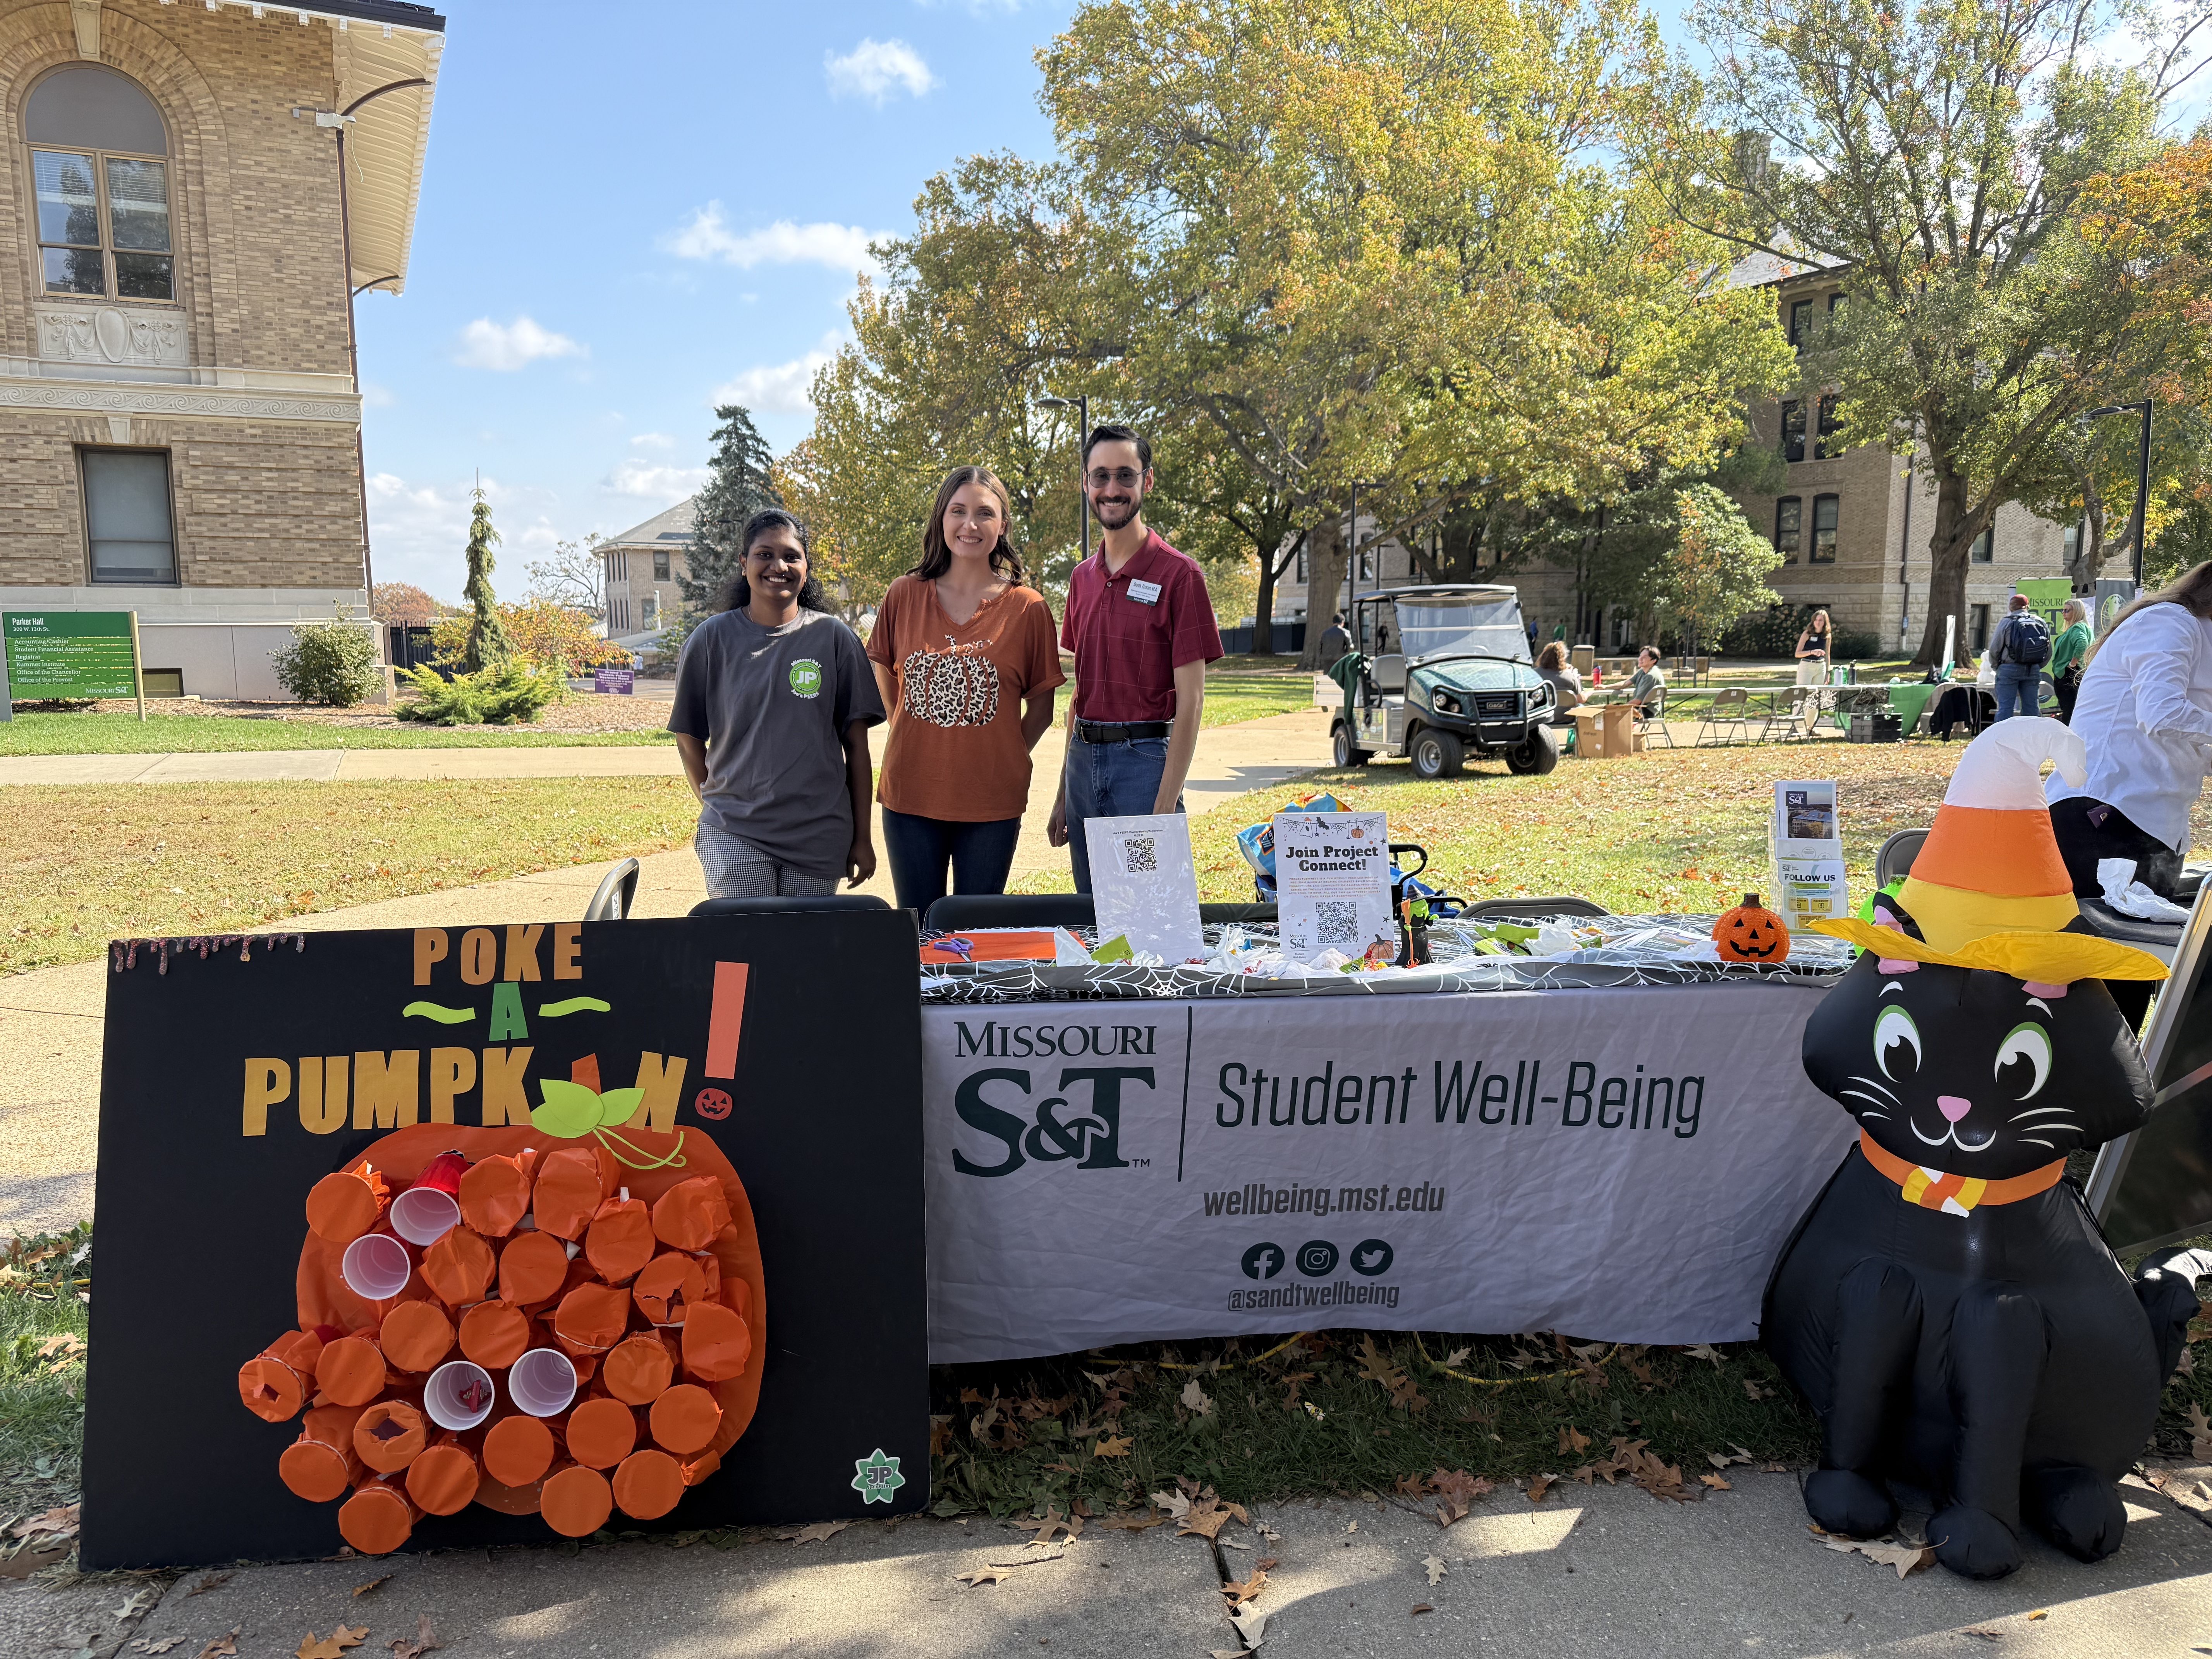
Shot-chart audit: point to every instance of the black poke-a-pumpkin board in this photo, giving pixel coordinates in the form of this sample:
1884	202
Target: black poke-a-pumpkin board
201	1224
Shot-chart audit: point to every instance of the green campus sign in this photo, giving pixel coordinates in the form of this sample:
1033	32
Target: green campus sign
69	654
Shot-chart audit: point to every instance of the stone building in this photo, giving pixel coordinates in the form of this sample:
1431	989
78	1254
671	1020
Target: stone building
195	192
643	565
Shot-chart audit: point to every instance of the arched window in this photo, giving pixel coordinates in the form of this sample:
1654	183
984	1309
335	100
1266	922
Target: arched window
101	174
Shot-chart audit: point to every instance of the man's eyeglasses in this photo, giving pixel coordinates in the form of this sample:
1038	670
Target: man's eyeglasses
1126	476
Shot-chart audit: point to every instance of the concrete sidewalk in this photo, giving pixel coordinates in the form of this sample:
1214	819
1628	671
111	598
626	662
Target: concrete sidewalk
1599	1571
51	1020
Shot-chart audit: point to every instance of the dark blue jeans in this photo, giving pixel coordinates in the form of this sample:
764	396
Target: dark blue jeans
2017	690
1109	780
920	849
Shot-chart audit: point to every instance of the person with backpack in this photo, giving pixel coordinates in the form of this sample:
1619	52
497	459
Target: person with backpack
2021	647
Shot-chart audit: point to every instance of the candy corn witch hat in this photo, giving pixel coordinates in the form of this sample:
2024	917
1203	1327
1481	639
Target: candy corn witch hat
1988	888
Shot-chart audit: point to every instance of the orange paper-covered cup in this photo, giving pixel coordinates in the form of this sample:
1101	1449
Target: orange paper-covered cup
569	1191
377	1519
698	1468
591	1318
494	1334
686	1418
350	1371
639	1368
343	1206
688	1215
321	1463
389	1435
517	1450
620	1240
648	1484
602	1432
459	1268
494	1195
576	1502
443	1481
669	1283
275	1382
416	1336
532	1268
717	1346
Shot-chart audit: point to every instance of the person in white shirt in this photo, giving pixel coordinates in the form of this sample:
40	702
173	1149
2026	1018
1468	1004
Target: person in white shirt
2145	711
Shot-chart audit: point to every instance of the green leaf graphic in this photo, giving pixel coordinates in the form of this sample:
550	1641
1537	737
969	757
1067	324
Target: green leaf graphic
618	1106
443	1015
570	1112
574	1005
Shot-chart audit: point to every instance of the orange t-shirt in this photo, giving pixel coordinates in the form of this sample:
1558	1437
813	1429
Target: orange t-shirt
955	750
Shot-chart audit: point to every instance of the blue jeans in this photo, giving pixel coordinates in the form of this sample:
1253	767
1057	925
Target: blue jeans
2017	692
1110	780
920	849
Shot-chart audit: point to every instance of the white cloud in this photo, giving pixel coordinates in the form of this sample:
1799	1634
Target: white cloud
487	345
661	484
779	388
376	396
653	440
708	236
874	68
419	532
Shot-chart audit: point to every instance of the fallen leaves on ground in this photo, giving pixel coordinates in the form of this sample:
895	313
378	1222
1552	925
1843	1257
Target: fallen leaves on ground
1753	1390
1420	1607
59	1522
1659	1477
2041	1613
1705	1351
1207	1515
142	1602
817	1533
1049	1522
1456	1357
223	1647
426	1640
2200	1435
1114	1445
1379	1367
1133	1522
358	1589
1735	1455
1196	1398
1538	1485
217	1580
984	1575
1436	1569
1250	1622
1572	1439
1715	1482
146	1645
334	1646
1243	1591
1456	1491
1907	1558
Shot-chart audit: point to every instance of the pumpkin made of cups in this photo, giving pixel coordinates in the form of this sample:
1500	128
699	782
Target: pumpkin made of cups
1751	932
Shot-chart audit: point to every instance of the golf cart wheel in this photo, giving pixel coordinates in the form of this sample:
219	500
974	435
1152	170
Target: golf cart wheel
1437	754
1340	745
1536	754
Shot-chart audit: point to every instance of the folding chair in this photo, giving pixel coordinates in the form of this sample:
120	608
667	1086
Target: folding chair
1792	726
1730	711
1651	732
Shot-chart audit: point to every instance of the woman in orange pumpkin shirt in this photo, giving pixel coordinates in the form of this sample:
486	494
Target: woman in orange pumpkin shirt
967	660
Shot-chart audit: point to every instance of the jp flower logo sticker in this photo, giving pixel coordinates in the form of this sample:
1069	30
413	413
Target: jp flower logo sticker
806	678
876	1477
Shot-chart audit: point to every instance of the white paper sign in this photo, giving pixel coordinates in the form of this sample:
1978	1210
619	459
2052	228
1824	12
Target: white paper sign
1144	884
1333	882
1807	841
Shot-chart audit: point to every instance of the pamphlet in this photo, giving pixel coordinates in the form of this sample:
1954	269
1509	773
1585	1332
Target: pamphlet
1145	885
1333	882
1807	843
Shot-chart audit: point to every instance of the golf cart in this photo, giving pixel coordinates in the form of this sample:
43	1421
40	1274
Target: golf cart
1444	672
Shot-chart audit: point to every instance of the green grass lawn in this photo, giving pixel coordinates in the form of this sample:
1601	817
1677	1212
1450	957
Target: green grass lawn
43	1313
83	863
91	733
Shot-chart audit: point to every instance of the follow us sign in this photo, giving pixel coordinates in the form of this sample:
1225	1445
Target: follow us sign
1116	1172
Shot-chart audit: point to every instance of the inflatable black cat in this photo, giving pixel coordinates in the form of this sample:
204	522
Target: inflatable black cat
1947	1304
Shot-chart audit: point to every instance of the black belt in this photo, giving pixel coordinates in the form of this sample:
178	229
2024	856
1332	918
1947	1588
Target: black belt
1093	732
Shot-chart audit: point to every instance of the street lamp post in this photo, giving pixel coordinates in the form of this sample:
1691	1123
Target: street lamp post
1081	406
2143	474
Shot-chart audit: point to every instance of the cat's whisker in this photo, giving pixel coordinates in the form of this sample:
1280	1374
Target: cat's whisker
2029	1141
2041	1111
1877	1085
1856	1094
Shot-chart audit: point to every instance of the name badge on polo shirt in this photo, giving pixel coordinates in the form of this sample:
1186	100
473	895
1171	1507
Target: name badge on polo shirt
1145	592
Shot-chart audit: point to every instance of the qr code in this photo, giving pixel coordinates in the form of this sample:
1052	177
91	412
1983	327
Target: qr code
1139	857
1336	922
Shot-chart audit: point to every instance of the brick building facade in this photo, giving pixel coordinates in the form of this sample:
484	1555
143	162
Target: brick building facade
644	566
179	420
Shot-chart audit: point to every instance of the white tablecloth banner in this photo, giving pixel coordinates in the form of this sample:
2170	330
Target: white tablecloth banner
1617	1165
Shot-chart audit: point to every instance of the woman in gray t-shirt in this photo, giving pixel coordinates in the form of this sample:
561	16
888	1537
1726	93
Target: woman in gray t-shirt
773	701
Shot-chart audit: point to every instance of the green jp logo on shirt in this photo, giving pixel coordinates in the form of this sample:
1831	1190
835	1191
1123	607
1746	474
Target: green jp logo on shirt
806	678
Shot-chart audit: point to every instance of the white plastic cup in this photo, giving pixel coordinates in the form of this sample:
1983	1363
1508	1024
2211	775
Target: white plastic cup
376	1267
460	1394
541	1382
423	1215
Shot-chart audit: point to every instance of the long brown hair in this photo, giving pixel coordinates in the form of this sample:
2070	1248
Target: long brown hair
937	555
2191	590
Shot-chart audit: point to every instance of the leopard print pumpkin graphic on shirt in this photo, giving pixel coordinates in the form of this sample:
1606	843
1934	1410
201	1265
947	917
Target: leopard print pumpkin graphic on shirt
957	686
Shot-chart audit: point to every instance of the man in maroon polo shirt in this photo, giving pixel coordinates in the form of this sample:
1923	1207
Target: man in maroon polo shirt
1141	626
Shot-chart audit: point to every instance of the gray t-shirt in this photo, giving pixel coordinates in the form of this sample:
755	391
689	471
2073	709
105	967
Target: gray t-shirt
772	704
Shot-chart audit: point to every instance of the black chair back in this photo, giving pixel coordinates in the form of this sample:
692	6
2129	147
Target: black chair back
1566	905
755	906
958	911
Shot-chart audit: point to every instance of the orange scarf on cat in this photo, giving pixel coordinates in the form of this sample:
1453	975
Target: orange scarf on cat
1933	1190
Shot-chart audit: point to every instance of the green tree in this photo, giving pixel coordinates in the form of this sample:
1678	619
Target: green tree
1953	159
739	484
487	642
1717	567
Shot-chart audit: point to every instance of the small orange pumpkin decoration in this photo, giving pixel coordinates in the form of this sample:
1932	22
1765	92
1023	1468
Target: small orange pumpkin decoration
1751	932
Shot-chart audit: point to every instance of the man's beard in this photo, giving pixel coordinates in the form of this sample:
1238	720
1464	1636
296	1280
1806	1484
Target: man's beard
1113	515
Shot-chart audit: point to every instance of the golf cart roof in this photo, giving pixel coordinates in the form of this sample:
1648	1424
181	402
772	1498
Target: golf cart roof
1444	592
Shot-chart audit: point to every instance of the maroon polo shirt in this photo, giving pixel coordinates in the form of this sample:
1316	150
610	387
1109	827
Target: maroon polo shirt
1125	648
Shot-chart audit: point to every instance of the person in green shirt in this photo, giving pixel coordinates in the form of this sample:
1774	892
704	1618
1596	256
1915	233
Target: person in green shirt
2067	654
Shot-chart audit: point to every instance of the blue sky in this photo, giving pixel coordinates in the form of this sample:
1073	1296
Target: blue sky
627	213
